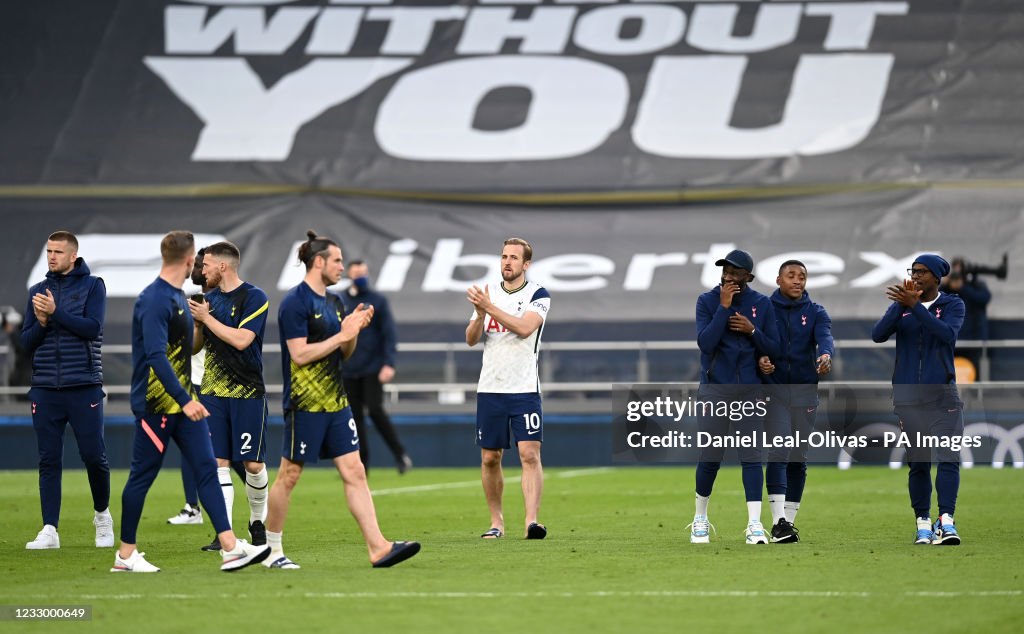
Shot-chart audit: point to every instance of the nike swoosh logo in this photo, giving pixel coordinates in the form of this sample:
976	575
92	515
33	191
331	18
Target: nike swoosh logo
530	433
355	442
181	311
94	405
316	316
905	315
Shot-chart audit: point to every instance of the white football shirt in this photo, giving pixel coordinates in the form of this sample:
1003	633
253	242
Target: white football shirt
198	366
510	362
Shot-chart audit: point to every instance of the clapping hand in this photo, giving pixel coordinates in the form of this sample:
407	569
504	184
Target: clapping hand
906	294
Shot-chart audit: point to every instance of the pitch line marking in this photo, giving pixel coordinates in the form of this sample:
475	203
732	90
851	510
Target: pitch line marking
810	594
441	486
575	473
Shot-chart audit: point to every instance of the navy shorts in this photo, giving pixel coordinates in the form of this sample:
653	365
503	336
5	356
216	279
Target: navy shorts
238	427
310	436
501	418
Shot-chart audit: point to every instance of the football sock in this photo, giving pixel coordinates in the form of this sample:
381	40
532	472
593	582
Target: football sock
754	511
702	505
924	523
226	488
777	504
274	541
256	491
946	518
791	510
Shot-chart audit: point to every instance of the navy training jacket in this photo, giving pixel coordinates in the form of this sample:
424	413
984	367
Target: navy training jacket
925	338
805	333
727	357
378	343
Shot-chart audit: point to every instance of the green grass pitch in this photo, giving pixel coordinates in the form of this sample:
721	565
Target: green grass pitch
617	559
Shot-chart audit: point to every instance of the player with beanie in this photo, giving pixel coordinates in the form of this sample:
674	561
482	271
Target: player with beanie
926	323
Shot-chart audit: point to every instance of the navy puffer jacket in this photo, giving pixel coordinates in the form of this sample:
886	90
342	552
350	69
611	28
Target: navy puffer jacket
66	353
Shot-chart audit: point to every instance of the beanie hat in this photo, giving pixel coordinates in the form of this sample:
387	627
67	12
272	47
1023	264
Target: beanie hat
934	263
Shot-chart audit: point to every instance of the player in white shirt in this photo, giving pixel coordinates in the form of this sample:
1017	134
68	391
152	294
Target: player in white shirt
510	319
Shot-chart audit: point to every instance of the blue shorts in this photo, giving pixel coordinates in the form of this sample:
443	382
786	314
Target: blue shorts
500	418
310	436
238	427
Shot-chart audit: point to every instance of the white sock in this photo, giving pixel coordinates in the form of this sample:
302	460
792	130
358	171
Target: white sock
777	504
702	505
754	511
924	522
946	518
227	489
274	541
256	490
791	509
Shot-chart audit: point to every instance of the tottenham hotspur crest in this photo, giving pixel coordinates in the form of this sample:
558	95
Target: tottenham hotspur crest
302	448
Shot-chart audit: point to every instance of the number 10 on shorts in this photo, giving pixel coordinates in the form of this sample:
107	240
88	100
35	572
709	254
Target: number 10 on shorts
532	423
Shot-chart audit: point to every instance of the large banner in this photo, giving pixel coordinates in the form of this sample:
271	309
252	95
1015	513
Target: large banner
631	142
511	96
600	265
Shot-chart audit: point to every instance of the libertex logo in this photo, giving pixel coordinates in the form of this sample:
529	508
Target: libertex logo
129	262
561	65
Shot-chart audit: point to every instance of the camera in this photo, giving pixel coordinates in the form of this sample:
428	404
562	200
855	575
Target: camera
9	315
970	270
